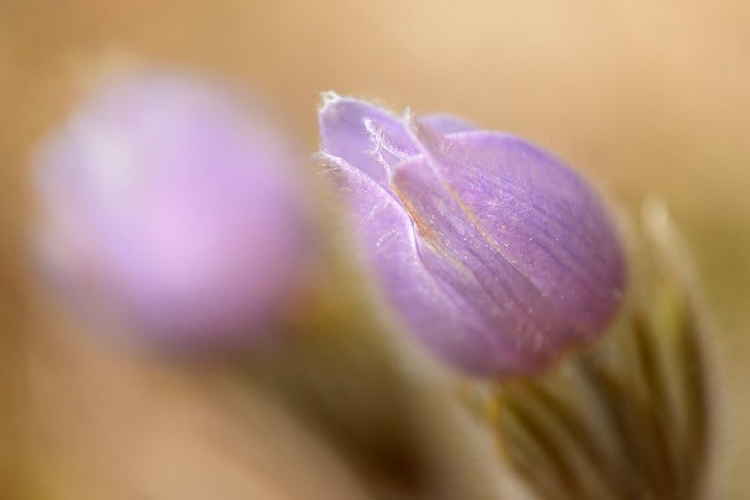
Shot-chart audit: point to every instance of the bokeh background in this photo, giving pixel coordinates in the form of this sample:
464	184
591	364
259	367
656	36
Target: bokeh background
647	98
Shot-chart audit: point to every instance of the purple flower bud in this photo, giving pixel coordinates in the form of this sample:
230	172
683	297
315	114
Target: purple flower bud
172	204
497	255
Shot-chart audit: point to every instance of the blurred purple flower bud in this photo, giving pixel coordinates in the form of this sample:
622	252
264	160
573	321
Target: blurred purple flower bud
497	255
174	205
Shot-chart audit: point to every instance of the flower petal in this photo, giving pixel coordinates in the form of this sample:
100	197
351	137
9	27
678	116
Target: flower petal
447	124
347	129
527	328
389	243
537	213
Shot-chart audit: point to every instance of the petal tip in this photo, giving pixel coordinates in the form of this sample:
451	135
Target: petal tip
428	139
330	102
328	97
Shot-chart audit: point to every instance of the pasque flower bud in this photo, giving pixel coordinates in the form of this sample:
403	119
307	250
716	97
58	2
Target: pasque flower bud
494	252
173	204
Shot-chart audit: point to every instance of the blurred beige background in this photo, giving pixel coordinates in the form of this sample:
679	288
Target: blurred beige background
645	97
